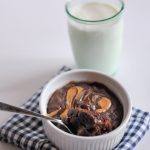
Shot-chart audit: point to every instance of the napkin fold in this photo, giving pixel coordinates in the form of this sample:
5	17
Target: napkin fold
28	133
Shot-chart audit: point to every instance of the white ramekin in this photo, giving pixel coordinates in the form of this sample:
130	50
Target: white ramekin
66	141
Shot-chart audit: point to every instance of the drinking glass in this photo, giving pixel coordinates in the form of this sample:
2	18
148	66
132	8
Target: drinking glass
96	44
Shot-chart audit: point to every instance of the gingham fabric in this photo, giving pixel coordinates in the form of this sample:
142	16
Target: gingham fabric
28	134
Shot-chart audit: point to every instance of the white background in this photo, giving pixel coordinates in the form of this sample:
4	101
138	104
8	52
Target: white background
34	44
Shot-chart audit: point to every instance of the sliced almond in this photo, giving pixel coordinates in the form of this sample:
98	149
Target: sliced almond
71	93
64	115
54	113
104	103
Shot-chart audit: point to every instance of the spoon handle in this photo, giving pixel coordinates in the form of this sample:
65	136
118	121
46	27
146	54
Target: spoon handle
10	108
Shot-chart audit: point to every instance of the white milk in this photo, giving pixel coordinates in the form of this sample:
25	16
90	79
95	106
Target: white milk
96	45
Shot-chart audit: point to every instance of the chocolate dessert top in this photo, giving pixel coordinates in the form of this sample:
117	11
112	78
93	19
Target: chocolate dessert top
88	109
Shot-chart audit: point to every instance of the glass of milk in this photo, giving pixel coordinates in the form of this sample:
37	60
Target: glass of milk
95	29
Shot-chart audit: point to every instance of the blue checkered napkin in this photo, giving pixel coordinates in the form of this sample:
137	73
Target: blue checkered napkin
137	127
28	133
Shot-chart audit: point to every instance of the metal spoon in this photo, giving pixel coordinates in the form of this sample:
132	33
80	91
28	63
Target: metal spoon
10	108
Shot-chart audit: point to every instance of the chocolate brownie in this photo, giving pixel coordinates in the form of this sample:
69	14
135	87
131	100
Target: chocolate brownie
88	109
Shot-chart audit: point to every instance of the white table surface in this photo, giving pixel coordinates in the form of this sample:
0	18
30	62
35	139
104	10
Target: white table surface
34	44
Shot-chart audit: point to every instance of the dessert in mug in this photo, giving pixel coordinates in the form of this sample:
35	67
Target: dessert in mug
95	30
87	108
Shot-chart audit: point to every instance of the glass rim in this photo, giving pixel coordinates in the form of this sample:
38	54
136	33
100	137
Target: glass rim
94	21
